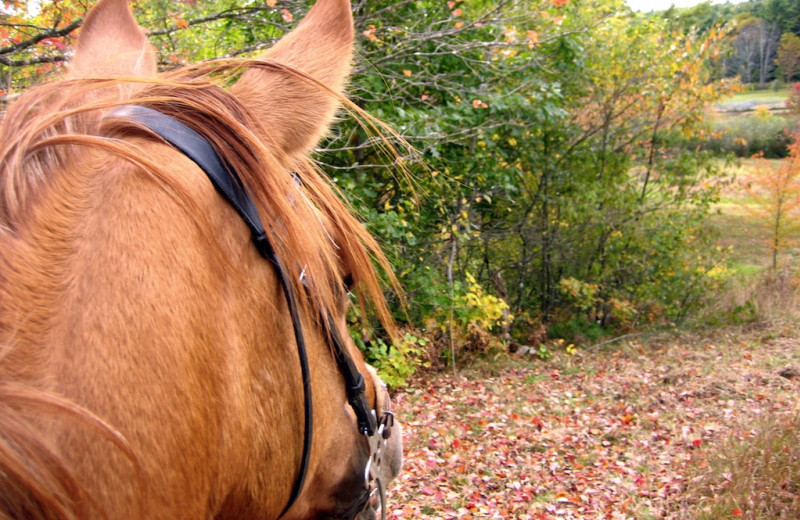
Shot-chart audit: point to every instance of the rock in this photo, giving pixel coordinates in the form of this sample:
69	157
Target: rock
522	350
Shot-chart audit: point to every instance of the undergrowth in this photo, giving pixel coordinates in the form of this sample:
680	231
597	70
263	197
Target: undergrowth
766	296
747	135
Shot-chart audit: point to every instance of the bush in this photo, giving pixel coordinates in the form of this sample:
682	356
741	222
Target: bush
577	330
398	362
793	102
750	134
470	324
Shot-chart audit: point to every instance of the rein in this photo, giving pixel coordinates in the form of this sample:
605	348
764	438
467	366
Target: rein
228	184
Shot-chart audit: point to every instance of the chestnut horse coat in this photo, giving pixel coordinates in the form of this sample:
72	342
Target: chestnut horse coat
148	367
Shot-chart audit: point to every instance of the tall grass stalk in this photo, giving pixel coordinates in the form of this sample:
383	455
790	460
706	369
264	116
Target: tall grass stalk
753	476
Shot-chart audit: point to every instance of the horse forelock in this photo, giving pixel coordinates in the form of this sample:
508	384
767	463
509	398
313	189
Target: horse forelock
69	107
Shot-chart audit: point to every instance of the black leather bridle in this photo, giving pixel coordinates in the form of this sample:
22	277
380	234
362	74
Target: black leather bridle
228	184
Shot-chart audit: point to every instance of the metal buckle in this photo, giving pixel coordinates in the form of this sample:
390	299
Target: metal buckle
372	472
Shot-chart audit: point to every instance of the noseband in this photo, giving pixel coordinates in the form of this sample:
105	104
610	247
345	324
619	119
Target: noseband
228	184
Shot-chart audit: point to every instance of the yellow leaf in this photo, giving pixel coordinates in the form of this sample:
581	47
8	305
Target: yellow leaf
271	3
407	72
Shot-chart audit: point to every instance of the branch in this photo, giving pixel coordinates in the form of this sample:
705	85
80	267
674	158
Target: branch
30	42
224	15
5	60
64	31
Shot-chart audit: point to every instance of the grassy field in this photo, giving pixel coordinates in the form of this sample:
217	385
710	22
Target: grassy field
767	96
741	230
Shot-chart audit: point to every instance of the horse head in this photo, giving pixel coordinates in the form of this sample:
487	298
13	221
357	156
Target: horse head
151	366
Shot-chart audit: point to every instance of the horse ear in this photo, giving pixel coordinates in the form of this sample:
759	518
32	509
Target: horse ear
111	43
296	112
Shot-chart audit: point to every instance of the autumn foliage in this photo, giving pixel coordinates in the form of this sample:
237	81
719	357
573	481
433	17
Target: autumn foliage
550	138
793	101
775	191
653	429
558	197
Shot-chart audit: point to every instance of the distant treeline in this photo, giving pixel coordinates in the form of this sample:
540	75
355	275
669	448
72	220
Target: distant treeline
765	44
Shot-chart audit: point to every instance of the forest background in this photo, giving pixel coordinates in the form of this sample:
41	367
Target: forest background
596	229
569	155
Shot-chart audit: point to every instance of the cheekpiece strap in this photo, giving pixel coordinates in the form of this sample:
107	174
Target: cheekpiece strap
229	185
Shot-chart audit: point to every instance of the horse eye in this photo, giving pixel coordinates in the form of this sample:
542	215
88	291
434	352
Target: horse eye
348	282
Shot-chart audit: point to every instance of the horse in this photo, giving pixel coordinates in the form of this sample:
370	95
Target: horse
175	274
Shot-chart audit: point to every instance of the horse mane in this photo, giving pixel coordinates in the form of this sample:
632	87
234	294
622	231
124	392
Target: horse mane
51	125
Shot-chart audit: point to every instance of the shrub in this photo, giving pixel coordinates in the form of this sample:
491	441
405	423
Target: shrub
577	330
750	134
395	363
469	323
793	101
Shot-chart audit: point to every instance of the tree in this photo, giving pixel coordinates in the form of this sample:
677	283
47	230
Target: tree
36	43
32	44
793	101
701	18
550	133
788	58
755	45
775	190
784	13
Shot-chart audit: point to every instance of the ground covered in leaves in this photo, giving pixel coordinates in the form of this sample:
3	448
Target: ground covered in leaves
616	432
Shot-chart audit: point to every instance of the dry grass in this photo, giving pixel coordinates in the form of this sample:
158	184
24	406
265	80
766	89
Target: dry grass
741	232
757	296
754	476
754	292
754	471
